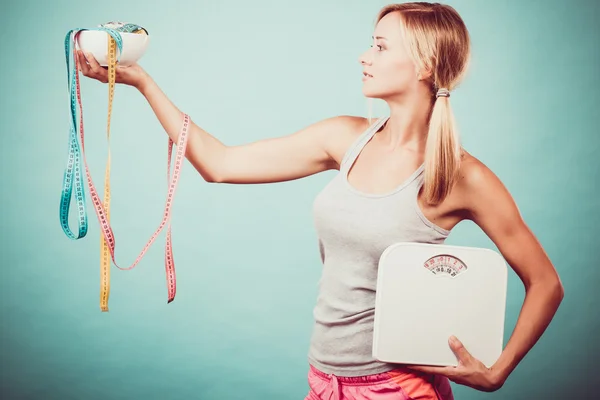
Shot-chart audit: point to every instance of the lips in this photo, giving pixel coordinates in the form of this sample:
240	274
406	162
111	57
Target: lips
367	75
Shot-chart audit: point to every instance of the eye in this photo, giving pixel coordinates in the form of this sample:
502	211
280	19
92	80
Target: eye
380	48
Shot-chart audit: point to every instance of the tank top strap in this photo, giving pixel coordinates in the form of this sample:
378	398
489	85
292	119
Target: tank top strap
360	142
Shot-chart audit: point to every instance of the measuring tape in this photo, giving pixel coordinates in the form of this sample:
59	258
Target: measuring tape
73	169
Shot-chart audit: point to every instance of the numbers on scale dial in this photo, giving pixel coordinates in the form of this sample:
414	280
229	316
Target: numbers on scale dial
445	264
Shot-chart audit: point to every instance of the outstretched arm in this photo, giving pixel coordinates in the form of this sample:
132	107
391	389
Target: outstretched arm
310	150
303	153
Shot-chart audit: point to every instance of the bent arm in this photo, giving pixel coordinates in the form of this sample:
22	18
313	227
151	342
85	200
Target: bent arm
303	153
491	207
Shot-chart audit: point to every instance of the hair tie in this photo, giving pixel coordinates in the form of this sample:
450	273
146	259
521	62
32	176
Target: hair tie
442	93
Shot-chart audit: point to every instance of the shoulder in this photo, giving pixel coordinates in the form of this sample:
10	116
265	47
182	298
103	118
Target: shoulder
346	126
343	130
481	193
473	173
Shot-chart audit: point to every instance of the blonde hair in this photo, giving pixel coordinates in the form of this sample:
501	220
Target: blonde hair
438	41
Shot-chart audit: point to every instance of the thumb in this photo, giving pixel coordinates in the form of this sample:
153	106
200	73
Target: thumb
459	349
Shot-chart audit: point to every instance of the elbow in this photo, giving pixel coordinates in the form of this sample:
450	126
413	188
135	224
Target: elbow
214	175
555	290
559	290
552	287
211	178
558	293
209	175
209	168
215	171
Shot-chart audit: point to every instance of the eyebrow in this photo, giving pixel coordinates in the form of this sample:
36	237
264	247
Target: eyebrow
378	37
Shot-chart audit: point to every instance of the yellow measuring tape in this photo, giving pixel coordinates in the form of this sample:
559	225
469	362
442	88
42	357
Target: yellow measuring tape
104	251
102	205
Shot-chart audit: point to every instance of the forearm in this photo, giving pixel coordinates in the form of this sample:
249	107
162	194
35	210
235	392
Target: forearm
540	305
204	151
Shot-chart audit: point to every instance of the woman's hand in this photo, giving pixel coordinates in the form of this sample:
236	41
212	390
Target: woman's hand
469	372
132	75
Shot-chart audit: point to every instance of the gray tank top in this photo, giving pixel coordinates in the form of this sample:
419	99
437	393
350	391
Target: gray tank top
353	230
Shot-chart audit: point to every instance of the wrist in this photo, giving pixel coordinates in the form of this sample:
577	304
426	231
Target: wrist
504	366
143	83
497	376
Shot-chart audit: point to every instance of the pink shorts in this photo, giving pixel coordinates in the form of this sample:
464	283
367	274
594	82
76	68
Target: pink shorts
399	384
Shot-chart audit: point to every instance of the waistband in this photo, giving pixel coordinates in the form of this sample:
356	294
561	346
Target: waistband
354	380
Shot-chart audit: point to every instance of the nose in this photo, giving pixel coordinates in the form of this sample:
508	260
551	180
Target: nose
365	58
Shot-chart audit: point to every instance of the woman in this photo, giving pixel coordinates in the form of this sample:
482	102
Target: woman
402	178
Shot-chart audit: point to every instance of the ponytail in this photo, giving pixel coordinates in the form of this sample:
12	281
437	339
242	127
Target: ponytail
438	42
442	151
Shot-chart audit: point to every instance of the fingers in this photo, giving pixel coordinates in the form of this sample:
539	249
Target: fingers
83	66
459	349
425	369
92	69
449	371
94	66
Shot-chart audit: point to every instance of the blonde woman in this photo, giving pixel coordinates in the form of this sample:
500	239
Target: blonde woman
401	178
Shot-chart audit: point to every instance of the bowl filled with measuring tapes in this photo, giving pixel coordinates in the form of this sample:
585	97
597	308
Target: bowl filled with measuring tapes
134	38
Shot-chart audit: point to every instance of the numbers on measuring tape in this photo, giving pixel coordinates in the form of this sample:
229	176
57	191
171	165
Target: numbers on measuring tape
73	171
445	264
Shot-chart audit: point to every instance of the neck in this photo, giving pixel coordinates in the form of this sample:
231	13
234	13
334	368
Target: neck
408	124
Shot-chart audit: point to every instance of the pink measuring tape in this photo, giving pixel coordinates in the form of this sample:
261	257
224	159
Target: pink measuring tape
107	231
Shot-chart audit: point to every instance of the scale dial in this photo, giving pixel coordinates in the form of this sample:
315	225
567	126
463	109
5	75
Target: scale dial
445	264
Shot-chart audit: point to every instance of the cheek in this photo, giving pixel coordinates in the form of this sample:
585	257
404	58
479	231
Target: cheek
392	77
400	74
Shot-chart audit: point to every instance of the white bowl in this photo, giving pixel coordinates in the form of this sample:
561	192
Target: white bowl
96	42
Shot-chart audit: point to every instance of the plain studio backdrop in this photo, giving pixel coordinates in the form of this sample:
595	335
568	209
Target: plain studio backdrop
246	257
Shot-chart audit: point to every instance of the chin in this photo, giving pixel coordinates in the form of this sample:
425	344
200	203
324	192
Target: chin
384	95
372	94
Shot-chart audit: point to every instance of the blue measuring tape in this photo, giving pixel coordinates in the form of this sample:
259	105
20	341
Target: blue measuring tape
73	170
74	176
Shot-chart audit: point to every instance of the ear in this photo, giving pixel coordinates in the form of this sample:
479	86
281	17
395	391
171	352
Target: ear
424	74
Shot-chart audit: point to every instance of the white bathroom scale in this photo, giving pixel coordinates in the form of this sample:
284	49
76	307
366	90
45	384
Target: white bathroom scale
428	292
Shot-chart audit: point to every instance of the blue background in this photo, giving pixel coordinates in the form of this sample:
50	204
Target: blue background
246	256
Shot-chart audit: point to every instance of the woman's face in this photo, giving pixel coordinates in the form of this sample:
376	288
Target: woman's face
388	64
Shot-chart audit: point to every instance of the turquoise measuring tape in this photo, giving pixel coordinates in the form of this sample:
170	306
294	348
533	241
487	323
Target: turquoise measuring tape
73	172
73	169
